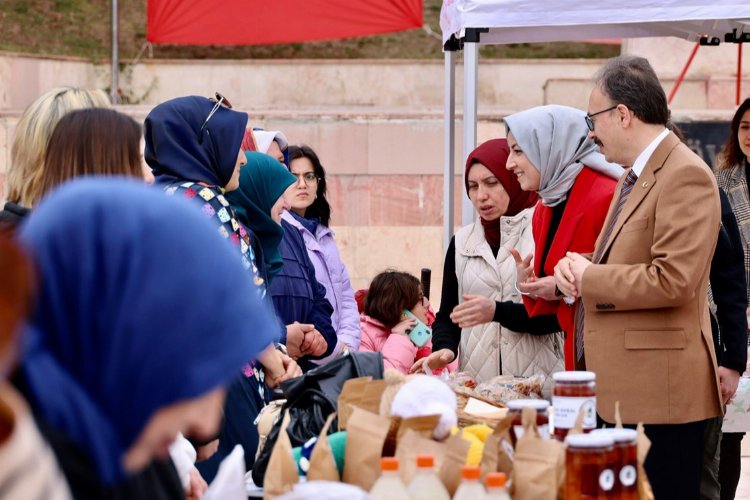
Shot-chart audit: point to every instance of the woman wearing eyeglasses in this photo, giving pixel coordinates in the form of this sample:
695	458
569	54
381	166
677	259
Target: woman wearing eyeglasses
299	299
551	154
310	214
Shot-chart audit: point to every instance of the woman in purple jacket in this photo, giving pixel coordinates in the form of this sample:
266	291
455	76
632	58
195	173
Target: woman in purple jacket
311	215
297	296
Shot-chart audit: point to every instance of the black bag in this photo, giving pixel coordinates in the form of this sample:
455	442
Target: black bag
314	396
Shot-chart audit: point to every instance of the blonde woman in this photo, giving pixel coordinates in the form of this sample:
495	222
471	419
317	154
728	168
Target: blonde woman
29	147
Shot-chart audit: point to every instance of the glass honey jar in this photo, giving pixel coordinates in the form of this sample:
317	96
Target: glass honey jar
626	461
588	468
573	391
515	408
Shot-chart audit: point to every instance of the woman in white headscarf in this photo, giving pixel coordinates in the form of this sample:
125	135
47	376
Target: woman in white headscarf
270	142
551	153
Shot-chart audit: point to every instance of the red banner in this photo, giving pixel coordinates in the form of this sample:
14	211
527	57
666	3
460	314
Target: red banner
265	22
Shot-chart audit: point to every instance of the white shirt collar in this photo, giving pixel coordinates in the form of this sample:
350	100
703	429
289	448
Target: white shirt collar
640	162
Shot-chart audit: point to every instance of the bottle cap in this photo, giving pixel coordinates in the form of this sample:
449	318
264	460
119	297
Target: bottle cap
574	376
389	464
619	435
425	461
519	404
589	441
496	479
471	472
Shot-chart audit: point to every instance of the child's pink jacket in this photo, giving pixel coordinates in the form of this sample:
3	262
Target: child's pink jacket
399	352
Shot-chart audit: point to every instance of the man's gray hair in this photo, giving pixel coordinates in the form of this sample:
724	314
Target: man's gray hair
630	80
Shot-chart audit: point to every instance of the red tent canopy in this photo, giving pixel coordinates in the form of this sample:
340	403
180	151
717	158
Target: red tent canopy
263	22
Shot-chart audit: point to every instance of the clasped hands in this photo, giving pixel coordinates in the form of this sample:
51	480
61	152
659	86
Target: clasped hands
303	339
569	274
278	367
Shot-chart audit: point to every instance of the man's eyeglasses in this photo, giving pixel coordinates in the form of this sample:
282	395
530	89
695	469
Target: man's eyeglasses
589	117
309	177
220	101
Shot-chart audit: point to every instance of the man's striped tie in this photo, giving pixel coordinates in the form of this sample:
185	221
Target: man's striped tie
625	189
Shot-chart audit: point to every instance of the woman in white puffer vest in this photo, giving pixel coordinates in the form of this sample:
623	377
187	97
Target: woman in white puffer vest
480	274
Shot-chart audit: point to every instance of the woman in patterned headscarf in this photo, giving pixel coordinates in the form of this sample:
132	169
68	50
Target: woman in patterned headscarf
193	146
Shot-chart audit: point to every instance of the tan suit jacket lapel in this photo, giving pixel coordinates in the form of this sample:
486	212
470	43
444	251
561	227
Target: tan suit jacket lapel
642	187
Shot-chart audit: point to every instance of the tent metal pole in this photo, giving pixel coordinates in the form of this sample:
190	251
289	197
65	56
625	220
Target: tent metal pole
114	95
471	64
739	75
450	148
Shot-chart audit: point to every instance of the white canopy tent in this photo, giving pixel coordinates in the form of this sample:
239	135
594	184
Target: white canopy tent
468	23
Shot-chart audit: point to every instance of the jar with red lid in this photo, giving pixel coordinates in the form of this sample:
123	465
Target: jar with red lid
515	408
588	475
573	391
626	458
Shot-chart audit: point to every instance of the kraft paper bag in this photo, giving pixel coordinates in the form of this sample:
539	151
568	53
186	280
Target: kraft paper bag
423	425
498	454
618	417
644	444
456	450
539	467
412	443
371	396
322	464
351	394
366	434
281	473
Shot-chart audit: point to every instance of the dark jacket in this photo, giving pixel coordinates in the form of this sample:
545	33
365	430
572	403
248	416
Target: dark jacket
159	481
12	215
729	289
296	293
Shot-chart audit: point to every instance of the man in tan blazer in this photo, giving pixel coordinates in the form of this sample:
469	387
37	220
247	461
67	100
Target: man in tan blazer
646	327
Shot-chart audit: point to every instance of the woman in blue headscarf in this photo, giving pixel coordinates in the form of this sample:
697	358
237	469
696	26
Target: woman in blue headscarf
138	327
193	148
297	296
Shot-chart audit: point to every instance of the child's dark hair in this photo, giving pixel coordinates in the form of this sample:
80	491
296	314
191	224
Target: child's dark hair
390	293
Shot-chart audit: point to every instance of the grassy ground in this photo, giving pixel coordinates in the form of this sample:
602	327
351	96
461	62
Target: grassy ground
83	28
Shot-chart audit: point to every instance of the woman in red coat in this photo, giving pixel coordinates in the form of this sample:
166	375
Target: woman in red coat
552	155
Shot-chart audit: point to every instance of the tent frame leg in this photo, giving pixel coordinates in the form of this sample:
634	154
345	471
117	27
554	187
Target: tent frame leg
471	65
449	148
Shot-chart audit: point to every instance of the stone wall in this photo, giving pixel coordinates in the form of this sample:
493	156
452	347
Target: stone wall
377	125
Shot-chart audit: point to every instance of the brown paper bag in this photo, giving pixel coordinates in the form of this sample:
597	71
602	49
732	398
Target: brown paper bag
578	425
644	444
351	394
411	444
456	450
539	467
371	395
281	473
498	454
618	417
423	425
364	445
322	463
